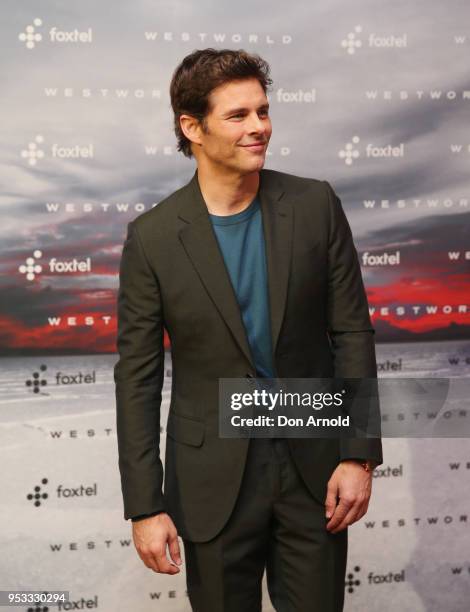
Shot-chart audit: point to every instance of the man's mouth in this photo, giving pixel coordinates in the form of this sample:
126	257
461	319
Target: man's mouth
255	145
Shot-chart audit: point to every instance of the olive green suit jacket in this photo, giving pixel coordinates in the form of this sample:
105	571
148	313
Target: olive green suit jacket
173	277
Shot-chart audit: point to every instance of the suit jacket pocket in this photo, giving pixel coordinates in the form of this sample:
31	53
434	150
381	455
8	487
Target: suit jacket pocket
185	430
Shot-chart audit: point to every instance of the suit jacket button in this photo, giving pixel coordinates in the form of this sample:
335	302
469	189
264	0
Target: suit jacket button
251	378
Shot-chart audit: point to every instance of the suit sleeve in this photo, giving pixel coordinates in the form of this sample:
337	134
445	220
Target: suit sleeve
348	322
138	376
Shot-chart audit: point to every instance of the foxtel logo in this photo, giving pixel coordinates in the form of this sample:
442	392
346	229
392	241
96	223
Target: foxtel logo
351	151
353	41
30	37
31	268
384	259
374	578
65	267
34	151
301	95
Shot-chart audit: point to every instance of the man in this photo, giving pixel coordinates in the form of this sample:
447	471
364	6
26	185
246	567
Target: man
253	273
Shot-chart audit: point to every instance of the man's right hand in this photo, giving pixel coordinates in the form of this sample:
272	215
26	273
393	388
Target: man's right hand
151	536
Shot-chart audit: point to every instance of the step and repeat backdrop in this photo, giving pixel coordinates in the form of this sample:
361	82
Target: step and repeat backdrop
372	96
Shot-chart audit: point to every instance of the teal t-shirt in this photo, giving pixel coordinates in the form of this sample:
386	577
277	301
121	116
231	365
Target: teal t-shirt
241	240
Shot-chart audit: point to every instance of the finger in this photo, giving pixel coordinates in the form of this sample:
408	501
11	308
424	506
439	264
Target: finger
341	511
164	566
363	510
331	500
349	519
149	561
174	548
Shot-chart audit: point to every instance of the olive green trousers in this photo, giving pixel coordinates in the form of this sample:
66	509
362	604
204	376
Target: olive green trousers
277	526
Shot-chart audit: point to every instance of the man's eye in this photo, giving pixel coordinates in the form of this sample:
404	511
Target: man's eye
263	112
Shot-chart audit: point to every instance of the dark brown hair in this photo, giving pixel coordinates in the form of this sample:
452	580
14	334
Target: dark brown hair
201	72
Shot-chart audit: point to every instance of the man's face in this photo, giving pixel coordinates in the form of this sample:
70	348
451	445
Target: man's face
238	118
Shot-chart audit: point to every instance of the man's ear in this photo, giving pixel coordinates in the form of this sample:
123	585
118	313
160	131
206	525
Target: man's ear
191	128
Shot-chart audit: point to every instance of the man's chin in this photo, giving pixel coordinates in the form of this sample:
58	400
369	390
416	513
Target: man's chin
254	167
257	161
260	162
245	167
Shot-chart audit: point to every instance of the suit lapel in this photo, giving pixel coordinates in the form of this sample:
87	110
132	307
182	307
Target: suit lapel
199	240
278	227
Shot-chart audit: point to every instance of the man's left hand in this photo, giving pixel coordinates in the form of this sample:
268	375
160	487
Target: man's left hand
352	484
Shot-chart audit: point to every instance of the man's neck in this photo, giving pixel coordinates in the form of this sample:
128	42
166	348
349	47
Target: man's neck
227	194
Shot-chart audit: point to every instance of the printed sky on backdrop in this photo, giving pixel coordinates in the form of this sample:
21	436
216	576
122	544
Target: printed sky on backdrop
44	94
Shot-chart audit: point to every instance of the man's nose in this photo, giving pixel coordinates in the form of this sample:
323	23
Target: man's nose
255	124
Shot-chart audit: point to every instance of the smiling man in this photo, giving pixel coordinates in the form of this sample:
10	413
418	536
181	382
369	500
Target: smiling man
253	273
